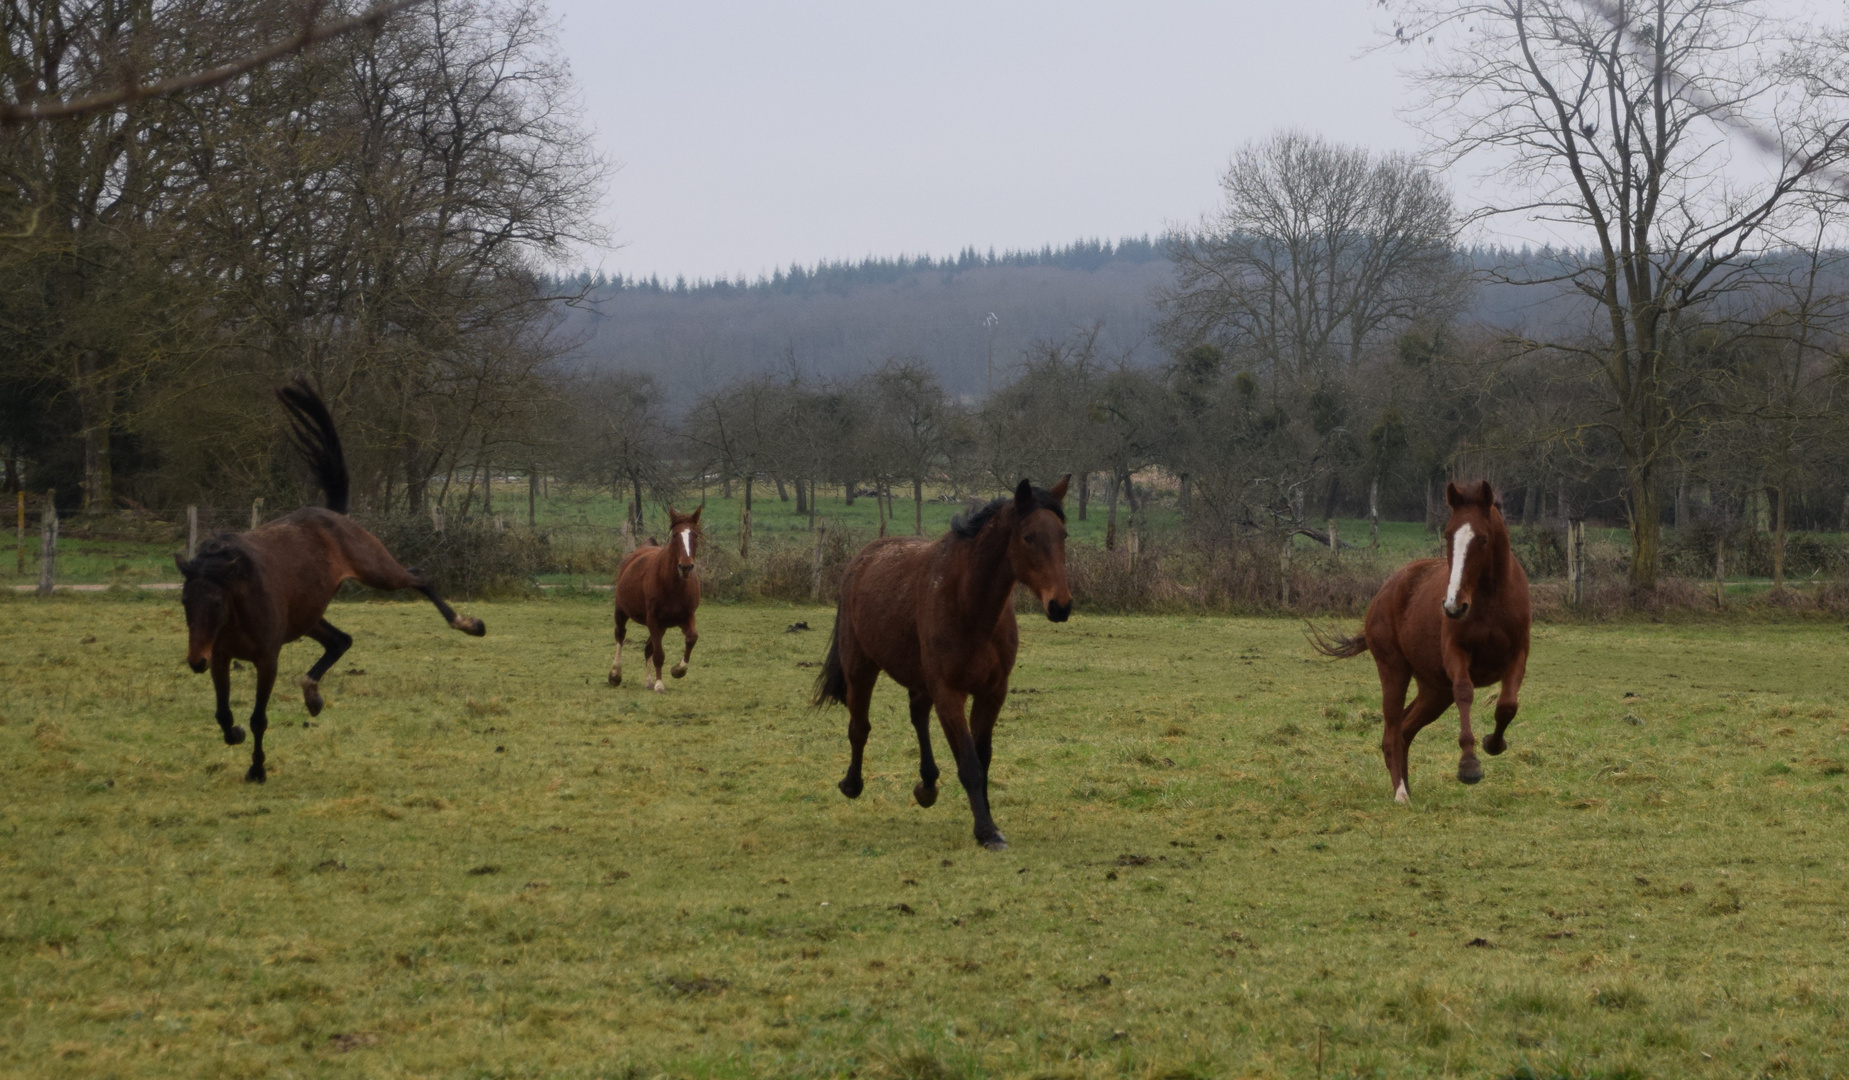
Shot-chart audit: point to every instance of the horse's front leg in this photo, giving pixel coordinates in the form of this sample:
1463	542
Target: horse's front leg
221	687
259	717
1507	702
859	725
689	637
1464	692
970	769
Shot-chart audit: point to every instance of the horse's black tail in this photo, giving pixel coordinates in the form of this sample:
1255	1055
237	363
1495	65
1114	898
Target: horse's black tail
311	428
831	684
1340	647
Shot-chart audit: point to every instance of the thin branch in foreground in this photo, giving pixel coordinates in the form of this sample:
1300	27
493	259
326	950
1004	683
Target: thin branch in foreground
134	90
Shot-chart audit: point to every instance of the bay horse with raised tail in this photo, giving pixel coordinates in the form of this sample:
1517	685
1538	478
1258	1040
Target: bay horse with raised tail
658	587
938	617
248	594
1451	625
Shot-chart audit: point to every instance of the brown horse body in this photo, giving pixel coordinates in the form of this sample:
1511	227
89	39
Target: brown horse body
1451	625
658	587
938	617
248	594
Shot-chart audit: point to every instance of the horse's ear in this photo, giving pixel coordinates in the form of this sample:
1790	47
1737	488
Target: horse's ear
674	516
1453	497
695	516
1059	489
1487	496
1024	498
186	568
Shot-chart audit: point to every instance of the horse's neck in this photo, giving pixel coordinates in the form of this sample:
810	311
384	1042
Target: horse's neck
988	581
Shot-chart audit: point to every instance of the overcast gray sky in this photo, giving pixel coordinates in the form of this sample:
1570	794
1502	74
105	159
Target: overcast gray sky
751	135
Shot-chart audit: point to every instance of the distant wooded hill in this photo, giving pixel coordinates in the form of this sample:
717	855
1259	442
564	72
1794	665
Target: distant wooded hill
842	319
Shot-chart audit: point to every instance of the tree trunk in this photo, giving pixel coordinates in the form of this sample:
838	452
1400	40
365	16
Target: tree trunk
1373	513
1431	504
879	506
744	522
1334	497
96	400
637	481
1085	498
1682	514
532	496
1110	521
782	495
1778	538
1646	529
917	506
847	491
1181	495
802	497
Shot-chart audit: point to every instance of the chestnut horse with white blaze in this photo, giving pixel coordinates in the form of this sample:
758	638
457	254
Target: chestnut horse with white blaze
657	587
248	594
938	616
1451	625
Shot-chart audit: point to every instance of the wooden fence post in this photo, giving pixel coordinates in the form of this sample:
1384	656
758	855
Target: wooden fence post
1373	513
48	545
1284	568
1720	571
22	532
1335	546
815	564
192	532
256	513
436	516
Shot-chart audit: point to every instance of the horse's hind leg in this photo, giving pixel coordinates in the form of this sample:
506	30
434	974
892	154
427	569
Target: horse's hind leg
1394	679
259	718
374	566
689	637
1507	702
926	791
1430	703
336	642
622	631
859	700
657	655
221	688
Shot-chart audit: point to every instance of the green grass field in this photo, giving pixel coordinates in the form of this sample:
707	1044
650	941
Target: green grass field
481	861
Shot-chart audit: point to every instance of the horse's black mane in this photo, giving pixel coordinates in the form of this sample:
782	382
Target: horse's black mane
222	559
970	522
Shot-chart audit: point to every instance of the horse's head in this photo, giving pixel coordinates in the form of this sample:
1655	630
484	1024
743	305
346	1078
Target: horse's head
1037	550
211	577
684	537
1470	541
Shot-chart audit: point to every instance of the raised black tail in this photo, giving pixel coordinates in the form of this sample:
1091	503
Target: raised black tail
311	429
831	684
1340	647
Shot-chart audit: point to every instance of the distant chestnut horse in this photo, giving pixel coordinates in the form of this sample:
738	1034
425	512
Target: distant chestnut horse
248	594
938	616
657	587
1452	625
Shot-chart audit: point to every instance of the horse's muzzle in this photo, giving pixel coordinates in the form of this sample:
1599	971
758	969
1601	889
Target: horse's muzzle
198	665
1456	612
686	569
1057	611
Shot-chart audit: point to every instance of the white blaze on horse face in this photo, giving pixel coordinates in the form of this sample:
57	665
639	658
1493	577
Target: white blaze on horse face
1460	547
687	541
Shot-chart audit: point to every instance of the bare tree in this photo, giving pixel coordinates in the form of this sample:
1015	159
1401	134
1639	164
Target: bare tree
1617	123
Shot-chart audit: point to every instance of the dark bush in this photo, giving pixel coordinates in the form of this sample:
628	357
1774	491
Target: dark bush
469	558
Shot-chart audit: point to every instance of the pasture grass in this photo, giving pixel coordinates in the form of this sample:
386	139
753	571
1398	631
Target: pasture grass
482	861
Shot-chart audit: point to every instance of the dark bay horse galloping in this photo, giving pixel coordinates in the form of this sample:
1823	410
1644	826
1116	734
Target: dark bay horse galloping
938	616
658	587
1451	625
248	594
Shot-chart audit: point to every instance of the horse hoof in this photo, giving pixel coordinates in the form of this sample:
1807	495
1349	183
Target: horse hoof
995	843
1402	796
1469	772
851	787
616	678
661	686
311	696
1494	745
679	671
473	628
234	735
256	775
925	795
